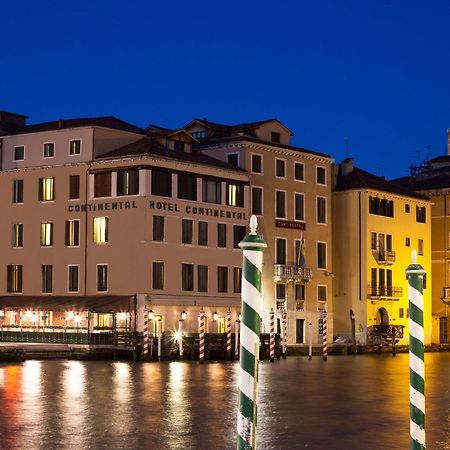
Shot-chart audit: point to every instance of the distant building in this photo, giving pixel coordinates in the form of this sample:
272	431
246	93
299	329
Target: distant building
290	192
433	180
376	225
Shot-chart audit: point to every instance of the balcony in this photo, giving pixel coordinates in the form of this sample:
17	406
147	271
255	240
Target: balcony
385	257
377	292
384	334
291	272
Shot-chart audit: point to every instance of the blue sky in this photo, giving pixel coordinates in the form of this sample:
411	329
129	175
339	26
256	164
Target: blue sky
368	79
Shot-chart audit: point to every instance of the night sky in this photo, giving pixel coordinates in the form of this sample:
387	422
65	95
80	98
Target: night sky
368	79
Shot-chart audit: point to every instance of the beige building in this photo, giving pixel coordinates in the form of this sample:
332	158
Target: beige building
290	194
95	208
376	225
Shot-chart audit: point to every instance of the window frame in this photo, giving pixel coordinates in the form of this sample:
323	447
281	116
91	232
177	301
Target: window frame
14	153
303	219
324	176
258	155
277	216
70	147
158	280
318	254
284	167
44	147
46	235
101	231
261	210
321	197
104	287
302	180
17	235
18	191
69	278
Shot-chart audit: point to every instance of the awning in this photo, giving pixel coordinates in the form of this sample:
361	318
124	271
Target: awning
92	303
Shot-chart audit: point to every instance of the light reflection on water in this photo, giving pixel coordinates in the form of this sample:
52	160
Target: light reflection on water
356	403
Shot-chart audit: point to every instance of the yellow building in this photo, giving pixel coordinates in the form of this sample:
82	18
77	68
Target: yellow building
376	225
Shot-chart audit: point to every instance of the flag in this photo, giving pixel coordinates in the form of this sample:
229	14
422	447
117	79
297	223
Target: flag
301	262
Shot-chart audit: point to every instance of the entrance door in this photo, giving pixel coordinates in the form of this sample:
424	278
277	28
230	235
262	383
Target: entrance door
382	317
299	326
443	330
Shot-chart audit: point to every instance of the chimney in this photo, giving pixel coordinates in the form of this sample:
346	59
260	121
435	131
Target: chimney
11	122
346	167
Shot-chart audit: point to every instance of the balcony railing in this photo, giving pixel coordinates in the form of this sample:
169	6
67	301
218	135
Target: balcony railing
386	331
291	272
385	257
375	291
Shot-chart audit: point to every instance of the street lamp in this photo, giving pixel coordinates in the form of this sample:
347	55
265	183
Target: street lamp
183	315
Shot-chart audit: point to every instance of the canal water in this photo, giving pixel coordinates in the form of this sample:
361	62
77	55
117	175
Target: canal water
347	402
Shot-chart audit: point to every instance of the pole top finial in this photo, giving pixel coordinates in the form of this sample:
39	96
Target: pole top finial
253	224
414	256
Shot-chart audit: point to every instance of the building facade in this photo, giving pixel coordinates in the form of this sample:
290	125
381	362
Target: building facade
376	225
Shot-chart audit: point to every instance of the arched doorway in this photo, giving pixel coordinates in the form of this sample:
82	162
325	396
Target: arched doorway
382	317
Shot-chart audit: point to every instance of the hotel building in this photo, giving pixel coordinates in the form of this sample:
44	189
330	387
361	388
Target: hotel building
376	225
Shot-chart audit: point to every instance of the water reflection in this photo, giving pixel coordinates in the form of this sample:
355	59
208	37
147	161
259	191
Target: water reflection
344	403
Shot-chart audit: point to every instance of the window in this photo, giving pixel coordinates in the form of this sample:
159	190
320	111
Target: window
275	137
299	292
161	183
46	189
222	279
14	275
257	194
381	207
320	175
102	277
101	230
373	241
238	234
17	235
187	186
321	255
420	247
280	168
212	191
235	194
407	210
187	277
202	274
299	206
421	214
321	293
233	159
280	204
280	245
401	313
237	280
19	153
49	150
74	187
128	182
75	147
407	241
158	275
203	233
46	234
72	233
221	235
321	210
186	231
299	171
178	146
280	291
199	134
47	274
102	184
158	228
256	163
73	278
18	191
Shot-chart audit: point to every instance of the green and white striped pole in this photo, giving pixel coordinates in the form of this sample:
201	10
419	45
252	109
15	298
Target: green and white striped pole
415	273
252	246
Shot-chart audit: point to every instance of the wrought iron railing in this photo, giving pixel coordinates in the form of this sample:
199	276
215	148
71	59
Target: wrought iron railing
383	291
291	272
385	256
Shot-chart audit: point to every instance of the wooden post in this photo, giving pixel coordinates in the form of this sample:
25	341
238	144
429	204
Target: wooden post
352	322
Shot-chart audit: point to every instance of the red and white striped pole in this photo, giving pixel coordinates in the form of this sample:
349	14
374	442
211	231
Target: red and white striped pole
284	320
236	338
201	333
324	336
228	334
145	335
272	335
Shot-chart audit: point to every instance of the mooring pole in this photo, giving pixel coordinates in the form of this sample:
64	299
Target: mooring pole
352	323
252	246
272	335
201	335
310	341
415	273
228	353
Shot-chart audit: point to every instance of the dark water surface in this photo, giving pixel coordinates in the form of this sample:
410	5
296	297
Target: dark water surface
344	403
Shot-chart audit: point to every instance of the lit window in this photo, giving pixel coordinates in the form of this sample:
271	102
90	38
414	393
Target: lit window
72	233
46	189
100	230
46	234
75	147
235	194
17	237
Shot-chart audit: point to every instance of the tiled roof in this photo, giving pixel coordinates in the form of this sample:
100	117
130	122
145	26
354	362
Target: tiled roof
107	122
427	181
148	146
360	179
